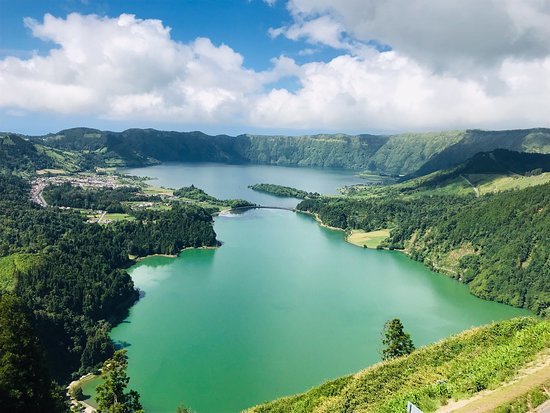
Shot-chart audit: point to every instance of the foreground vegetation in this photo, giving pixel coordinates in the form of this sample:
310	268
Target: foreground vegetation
528	401
456	367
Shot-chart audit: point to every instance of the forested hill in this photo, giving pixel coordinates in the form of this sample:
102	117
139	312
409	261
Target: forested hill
21	155
70	274
498	244
402	154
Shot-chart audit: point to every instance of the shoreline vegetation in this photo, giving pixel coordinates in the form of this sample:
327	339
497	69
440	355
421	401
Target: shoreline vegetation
471	239
204	247
359	238
283	191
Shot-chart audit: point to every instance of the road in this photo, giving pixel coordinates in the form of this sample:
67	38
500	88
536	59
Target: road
476	190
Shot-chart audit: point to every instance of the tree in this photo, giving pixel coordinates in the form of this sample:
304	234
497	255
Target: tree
25	385
111	395
396	342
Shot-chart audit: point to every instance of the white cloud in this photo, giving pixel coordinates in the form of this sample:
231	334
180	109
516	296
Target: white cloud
457	36
323	30
131	69
119	67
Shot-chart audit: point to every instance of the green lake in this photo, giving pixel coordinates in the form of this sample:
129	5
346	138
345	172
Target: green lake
281	306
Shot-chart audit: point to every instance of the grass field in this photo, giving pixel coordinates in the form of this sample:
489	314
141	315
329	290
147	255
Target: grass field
370	239
50	171
155	190
117	217
454	368
505	183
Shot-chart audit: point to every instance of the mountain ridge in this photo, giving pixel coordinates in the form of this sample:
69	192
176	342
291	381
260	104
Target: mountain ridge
400	154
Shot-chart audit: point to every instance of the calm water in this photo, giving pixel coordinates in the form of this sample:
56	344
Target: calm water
231	181
282	306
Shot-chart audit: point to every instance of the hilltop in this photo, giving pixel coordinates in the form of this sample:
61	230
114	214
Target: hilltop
403	154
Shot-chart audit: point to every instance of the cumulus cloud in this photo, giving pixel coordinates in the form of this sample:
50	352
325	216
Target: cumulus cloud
120	67
389	91
458	36
132	69
323	30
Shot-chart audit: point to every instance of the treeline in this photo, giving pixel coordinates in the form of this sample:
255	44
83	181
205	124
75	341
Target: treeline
78	288
283	191
105	199
497	244
197	194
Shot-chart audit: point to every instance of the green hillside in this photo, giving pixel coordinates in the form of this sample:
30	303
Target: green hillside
484	173
498	244
22	156
456	367
404	154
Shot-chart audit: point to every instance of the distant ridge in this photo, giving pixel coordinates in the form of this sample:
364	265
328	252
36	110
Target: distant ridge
402	154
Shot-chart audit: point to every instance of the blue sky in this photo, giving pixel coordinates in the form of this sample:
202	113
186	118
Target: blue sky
242	24
283	66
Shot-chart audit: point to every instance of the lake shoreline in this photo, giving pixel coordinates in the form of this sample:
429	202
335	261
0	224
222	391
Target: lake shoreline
206	247
348	233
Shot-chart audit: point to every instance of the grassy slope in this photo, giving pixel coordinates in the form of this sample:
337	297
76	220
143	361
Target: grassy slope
456	367
484	173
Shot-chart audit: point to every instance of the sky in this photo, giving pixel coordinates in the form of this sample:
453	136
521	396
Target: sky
274	66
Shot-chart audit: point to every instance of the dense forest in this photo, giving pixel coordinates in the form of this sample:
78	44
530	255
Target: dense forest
402	154
498	244
75	286
283	191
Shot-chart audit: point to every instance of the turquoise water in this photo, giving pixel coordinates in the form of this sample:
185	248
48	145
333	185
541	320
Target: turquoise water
282	306
232	181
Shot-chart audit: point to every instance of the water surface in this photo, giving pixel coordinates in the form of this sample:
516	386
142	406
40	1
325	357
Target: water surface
282	306
231	181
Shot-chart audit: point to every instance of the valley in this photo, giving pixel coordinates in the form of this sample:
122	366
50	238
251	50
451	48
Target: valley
280	272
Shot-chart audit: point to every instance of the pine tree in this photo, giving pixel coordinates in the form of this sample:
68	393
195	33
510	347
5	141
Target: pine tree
111	395
396	342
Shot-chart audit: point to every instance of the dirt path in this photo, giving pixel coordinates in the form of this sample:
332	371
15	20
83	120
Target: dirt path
487	401
544	408
101	217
